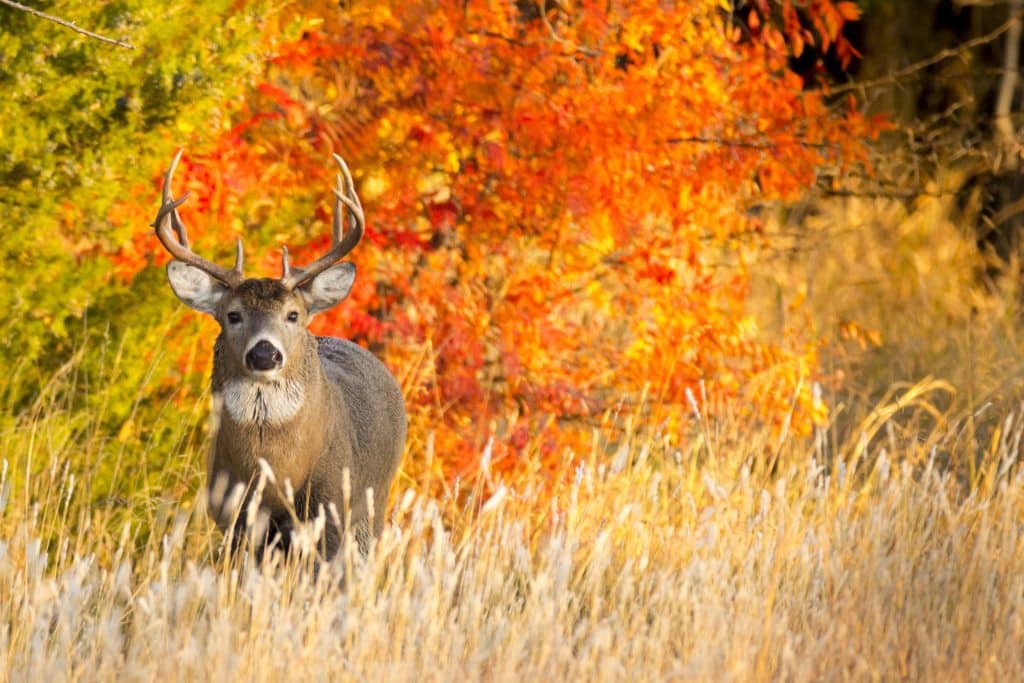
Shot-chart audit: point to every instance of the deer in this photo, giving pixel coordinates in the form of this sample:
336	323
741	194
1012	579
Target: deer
322	414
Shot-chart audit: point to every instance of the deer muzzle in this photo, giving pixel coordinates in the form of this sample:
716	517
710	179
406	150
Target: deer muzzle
264	357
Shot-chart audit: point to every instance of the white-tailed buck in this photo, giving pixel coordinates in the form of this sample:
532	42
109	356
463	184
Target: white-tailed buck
310	407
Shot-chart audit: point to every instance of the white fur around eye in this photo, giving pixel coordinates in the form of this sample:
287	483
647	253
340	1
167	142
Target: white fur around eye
272	403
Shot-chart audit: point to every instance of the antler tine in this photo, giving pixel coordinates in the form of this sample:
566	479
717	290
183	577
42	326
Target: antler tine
167	220
349	188
176	222
179	227
337	223
342	242
286	268
355	212
239	258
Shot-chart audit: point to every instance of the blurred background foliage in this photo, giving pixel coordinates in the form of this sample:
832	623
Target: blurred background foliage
80	121
578	216
76	120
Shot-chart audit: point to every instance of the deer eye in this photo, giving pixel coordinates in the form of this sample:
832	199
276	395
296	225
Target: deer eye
293	316
234	317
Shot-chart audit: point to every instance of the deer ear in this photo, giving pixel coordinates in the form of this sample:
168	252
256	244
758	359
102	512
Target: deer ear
329	287
194	287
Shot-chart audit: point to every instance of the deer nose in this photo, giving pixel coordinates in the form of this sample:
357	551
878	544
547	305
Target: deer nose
263	356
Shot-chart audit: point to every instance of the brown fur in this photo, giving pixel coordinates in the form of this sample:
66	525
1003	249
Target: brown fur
352	417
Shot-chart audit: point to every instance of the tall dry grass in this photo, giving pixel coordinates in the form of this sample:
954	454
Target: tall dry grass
889	545
866	561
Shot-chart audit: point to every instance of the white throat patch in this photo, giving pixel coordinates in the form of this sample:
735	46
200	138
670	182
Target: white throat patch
272	403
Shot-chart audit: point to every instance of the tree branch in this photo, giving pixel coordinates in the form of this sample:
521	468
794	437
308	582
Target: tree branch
1006	136
940	56
746	144
67	24
559	39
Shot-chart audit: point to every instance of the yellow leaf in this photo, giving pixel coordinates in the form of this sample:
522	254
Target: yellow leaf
452	162
374	186
126	432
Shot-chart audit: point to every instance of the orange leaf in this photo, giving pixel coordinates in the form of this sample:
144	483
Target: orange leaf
848	10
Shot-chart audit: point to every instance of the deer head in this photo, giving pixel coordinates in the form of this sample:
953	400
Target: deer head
263	320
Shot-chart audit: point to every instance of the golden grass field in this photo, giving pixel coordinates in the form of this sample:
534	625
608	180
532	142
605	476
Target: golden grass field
890	545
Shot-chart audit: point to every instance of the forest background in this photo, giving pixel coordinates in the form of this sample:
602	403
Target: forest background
726	234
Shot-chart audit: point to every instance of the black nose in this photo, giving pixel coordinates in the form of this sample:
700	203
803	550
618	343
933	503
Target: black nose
263	356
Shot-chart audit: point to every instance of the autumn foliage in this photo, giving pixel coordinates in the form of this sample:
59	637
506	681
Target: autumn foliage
560	197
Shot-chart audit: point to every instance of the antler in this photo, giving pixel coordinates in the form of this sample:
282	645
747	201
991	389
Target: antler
294	277
167	219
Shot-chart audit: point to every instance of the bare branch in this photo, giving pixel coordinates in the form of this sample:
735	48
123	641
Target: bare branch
67	24
746	144
940	56
1005	133
559	39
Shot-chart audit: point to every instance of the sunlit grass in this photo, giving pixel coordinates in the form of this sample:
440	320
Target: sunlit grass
887	545
870	560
